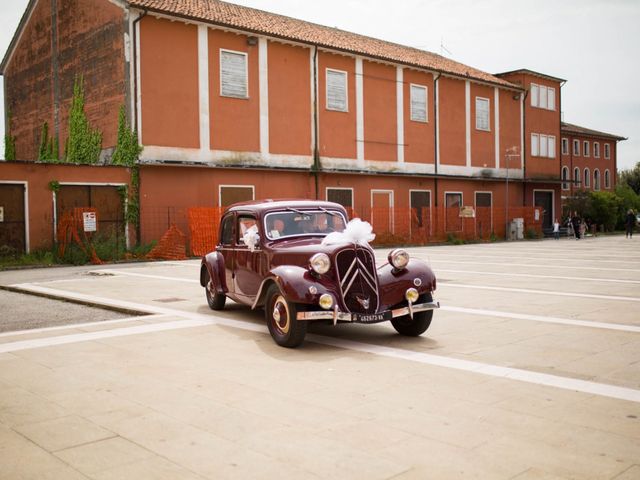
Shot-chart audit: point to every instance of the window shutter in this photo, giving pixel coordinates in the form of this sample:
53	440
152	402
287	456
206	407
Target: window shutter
535	139
552	147
543	146
418	103
233	72
543	97
534	95
482	113
336	90
551	99
565	146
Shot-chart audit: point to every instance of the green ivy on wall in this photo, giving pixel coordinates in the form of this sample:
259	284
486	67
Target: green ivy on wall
9	141
48	151
84	143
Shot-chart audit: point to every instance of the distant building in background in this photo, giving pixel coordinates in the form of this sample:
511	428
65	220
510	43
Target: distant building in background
233	103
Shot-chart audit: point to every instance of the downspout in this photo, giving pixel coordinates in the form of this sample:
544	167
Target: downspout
524	149
135	114
559	199
436	107
315	169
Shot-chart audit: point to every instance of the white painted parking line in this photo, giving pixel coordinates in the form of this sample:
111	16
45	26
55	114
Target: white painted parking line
144	275
196	319
532	275
81	325
540	318
541	292
544	257
427	258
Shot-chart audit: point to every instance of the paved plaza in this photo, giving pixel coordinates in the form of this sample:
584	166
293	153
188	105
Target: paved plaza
530	370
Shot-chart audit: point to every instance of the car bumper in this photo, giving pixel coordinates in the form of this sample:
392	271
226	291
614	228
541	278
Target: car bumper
387	315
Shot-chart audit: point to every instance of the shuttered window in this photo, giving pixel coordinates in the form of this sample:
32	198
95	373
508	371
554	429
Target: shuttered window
336	90
418	103
535	144
482	113
543	97
233	74
551	99
544	146
534	95
552	147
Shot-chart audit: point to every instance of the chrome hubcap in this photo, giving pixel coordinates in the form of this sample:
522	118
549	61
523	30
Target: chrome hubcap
281	314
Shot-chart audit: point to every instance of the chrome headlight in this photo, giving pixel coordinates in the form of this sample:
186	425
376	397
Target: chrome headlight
399	258
320	263
326	301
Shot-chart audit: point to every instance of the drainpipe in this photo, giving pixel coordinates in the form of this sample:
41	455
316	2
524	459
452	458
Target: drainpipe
524	149
435	137
135	113
315	169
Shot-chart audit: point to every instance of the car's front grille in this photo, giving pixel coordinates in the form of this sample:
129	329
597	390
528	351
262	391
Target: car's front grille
356	269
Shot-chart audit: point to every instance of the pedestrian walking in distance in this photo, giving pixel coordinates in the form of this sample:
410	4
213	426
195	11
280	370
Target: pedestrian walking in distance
576	222
630	222
556	230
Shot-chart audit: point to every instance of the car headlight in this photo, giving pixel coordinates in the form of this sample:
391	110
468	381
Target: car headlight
326	301
399	258
320	263
412	295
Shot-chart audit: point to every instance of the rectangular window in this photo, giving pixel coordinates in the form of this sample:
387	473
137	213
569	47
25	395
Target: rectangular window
552	147
418	103
585	148
453	203
343	196
596	149
607	151
336	90
576	148
420	208
535	144
482	113
544	147
543	97
233	74
535	93
551	99
230	194
565	146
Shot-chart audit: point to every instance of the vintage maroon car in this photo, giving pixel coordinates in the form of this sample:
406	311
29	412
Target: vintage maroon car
283	256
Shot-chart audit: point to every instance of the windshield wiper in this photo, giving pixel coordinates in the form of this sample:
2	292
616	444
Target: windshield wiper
333	214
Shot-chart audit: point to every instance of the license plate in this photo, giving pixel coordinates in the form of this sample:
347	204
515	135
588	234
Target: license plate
372	317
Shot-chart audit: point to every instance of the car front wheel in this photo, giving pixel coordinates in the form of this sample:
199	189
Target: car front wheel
420	322
281	315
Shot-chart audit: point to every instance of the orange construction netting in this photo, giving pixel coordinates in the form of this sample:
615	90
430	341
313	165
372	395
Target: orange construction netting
172	246
68	231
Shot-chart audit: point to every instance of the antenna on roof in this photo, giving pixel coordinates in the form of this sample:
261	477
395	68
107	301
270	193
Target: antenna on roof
443	48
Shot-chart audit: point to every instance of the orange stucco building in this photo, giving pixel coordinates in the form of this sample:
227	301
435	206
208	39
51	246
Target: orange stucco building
233	103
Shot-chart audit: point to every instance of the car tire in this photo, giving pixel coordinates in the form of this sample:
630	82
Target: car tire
215	300
419	324
281	315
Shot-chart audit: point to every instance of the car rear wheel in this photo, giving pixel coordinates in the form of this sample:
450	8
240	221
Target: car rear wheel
420	322
284	327
215	300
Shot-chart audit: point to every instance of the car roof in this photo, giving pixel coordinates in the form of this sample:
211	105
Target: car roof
263	206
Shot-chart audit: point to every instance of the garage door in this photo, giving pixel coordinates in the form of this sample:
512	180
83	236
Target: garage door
12	217
105	199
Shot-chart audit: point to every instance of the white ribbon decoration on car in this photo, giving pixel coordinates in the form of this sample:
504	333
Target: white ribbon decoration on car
356	231
251	237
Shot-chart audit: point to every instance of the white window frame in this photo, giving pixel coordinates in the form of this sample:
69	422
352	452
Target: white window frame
565	178
391	208
475	206
535	94
576	147
488	103
246	73
551	99
345	75
326	194
25	201
577	178
587	178
544	146
535	145
220	187
596	150
585	148
565	146
551	139
546	100
597	181
426	102
607	179
607	151
411	190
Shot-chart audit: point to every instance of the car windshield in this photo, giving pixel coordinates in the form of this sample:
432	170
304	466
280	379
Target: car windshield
295	222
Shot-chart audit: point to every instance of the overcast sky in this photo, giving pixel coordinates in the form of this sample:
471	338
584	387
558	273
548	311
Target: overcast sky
593	44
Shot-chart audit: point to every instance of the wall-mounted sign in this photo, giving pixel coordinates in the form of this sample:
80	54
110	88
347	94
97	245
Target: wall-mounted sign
89	221
1	214
467	212
537	215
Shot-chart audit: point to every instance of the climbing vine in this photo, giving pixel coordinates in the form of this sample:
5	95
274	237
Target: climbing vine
84	143
127	153
54	185
48	151
9	141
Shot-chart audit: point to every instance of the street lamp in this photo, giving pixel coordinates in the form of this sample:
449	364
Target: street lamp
510	153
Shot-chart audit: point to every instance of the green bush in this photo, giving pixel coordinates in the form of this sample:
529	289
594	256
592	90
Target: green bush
454	240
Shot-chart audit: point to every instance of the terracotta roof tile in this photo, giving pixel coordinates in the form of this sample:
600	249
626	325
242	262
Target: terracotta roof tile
577	130
271	24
